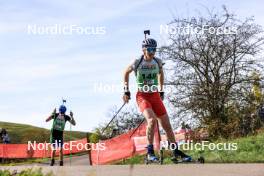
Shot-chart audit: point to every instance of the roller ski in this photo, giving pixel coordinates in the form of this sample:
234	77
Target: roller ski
151	158
180	157
187	160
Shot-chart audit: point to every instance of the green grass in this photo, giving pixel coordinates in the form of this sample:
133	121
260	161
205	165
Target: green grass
26	172
17	162
249	150
22	133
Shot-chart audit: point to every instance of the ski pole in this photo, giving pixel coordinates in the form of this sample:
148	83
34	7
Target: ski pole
113	118
143	120
70	142
98	151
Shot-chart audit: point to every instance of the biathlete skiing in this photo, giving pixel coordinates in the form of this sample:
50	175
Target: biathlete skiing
150	79
56	137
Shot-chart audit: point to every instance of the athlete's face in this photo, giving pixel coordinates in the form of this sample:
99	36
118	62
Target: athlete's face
149	52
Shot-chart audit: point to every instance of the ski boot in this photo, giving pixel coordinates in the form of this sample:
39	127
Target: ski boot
52	162
150	156
179	154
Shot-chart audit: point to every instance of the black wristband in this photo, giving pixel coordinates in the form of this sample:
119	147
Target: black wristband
127	93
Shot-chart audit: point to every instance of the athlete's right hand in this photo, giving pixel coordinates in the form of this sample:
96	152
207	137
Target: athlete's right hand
126	97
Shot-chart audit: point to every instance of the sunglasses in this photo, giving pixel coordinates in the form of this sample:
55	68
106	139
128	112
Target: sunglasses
151	49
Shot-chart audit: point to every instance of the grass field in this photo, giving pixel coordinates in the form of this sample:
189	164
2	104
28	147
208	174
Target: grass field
250	149
26	172
21	133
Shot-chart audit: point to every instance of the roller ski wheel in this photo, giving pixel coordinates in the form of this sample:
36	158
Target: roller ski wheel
200	160
161	157
154	160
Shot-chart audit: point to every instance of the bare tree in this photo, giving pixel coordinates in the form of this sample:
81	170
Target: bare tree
212	67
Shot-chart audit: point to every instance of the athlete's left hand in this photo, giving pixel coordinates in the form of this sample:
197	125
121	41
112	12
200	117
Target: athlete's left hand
71	114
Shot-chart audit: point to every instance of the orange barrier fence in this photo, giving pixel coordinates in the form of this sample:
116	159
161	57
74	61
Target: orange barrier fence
39	150
131	143
122	146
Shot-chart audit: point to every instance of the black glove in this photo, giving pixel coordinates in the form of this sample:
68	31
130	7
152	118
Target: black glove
127	93
161	95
